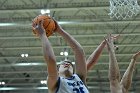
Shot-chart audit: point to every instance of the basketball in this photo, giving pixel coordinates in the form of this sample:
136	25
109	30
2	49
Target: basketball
48	24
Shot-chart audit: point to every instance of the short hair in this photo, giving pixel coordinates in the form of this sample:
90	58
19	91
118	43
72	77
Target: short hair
67	61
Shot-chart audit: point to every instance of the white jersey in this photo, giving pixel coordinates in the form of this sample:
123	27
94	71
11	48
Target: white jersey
71	85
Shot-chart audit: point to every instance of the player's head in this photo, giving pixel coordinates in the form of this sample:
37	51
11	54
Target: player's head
66	67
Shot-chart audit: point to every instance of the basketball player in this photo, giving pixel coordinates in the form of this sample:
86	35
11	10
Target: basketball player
117	85
63	80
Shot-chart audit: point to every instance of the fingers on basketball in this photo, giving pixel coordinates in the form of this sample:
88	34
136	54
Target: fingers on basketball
48	24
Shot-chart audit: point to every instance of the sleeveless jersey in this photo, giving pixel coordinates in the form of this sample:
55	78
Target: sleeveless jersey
71	85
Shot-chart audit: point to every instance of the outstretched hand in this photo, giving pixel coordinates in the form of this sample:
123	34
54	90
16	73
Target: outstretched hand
57	26
112	38
115	37
109	41
136	55
39	29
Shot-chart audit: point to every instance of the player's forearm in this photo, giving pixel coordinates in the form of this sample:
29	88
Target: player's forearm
130	69
114	72
93	58
132	64
70	40
127	77
47	49
49	56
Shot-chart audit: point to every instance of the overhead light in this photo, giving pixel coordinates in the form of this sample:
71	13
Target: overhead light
28	25
43	81
61	53
33	64
65	53
28	64
48	11
73	62
2	83
43	11
7	24
19	88
24	55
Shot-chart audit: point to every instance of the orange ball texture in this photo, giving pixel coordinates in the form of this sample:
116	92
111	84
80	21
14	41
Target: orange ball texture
48	24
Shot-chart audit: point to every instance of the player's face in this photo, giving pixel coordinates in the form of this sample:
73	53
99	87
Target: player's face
65	66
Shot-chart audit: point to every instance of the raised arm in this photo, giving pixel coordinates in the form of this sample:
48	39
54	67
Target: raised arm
127	77
49	57
78	52
114	73
93	58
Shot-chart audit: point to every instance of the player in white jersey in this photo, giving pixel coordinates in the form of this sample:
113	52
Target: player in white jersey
63	80
72	84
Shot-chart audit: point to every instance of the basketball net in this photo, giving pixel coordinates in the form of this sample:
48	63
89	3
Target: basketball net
122	9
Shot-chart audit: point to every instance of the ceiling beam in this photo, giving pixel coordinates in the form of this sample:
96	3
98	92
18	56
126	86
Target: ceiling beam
53	9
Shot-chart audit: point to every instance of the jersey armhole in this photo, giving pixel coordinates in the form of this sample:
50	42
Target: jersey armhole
58	85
